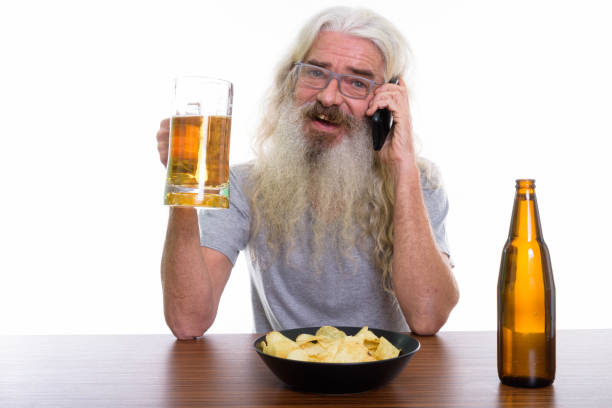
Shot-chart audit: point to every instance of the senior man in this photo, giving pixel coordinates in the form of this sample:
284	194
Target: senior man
335	232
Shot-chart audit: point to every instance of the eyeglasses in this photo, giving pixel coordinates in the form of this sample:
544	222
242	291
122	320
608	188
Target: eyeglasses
316	77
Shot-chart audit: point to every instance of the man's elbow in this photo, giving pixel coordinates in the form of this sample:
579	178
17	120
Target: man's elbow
426	327
187	333
189	329
428	323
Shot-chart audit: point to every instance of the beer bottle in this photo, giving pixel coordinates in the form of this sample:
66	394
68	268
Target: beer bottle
525	299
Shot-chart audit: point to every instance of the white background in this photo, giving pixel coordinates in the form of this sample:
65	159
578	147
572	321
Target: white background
503	90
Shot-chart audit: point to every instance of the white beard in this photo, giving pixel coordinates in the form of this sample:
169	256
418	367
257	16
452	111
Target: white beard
295	175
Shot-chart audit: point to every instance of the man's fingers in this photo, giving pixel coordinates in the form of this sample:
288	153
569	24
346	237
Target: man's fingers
162	144
162	149
163	135
386	100
163	138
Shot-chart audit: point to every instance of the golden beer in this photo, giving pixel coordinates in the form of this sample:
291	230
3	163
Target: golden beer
526	299
198	162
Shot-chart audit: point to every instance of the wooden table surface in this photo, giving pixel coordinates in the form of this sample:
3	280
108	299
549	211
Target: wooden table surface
452	369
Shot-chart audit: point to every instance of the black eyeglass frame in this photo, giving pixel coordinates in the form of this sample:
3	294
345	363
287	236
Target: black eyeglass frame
339	77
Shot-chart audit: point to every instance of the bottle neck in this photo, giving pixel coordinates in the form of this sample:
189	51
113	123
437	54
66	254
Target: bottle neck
525	224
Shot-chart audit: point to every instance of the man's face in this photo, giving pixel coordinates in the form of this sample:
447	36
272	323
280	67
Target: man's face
343	54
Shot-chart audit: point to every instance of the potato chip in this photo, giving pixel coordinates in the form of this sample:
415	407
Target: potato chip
313	349
366	335
298	354
304	338
330	345
330	351
371	345
351	352
330	333
385	350
279	345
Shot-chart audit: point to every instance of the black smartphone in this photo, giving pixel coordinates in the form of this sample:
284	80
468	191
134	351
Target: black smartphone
382	120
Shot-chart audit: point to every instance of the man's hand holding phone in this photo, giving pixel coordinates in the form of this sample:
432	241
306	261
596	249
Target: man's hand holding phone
381	121
398	148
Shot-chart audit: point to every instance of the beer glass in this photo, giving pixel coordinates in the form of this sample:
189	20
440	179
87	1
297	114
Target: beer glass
198	155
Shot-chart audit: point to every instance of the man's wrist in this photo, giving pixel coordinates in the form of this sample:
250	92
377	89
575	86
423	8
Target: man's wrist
182	211
183	221
405	173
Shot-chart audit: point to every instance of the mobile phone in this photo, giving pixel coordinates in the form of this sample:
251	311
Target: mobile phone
382	120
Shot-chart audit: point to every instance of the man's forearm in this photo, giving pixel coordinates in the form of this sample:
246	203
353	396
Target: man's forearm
422	279
187	287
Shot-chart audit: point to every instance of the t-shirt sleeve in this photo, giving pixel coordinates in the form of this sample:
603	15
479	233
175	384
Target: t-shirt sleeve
436	202
227	230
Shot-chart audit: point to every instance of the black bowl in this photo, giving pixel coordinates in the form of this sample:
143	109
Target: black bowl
340	378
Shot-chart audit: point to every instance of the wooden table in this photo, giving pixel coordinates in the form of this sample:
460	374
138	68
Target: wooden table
452	369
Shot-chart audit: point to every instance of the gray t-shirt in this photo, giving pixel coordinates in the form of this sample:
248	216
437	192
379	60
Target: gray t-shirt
291	294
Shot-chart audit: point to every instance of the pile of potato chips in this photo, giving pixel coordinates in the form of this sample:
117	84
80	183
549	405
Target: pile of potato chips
330	345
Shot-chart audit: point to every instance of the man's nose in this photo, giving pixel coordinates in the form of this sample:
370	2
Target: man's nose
330	95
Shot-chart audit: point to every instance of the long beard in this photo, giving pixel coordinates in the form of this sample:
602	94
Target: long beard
300	174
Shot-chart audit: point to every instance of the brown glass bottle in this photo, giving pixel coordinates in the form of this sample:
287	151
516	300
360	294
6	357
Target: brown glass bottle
525	299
